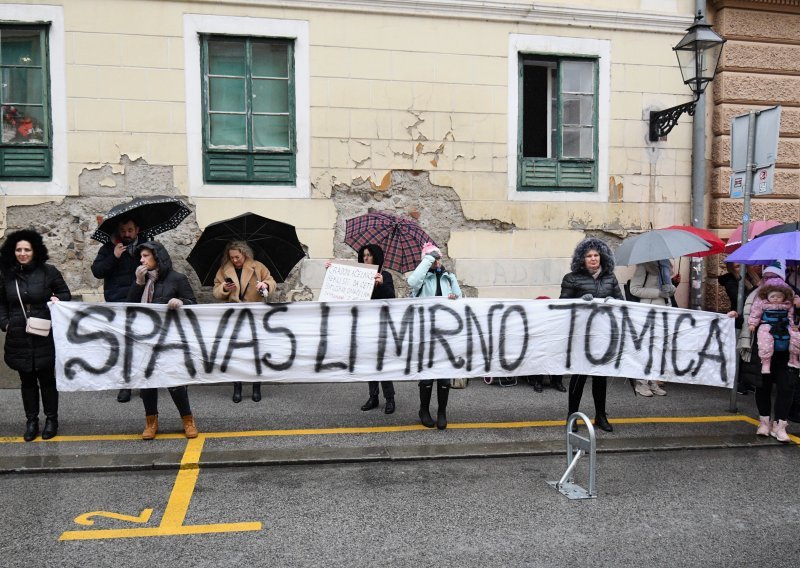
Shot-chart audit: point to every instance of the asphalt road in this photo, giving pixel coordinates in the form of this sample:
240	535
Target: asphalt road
729	507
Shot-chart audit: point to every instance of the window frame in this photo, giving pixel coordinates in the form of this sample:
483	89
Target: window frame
51	17
553	46
198	25
556	162
251	153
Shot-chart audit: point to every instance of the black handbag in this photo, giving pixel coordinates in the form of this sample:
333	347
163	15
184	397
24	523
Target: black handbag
750	371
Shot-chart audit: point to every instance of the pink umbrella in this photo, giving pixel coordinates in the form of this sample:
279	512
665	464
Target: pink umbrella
755	228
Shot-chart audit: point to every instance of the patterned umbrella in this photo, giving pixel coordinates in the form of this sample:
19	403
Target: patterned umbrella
154	215
754	229
400	238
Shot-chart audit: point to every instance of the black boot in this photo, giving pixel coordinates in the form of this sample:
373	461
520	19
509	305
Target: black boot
537	383
237	392
30	402
50	406
124	395
372	402
601	421
425	417
256	392
389	409
555	382
442	394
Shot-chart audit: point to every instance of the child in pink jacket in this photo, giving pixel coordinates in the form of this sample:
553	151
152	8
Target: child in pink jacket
773	307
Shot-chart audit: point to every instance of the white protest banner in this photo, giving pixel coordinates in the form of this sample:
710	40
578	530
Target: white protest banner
106	346
348	281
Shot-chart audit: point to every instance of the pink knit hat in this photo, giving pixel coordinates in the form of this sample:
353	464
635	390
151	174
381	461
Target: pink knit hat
428	248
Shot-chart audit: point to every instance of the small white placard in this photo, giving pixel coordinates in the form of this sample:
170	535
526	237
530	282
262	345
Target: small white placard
346	280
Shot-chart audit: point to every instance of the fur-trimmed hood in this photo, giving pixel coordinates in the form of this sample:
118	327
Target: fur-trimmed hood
606	256
161	254
8	260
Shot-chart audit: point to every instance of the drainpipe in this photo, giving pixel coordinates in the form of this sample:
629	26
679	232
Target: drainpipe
698	186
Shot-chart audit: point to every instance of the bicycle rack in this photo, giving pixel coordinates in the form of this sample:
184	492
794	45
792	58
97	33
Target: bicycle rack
580	446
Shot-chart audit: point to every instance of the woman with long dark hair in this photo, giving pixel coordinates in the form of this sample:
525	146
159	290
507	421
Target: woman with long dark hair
592	276
384	289
28	283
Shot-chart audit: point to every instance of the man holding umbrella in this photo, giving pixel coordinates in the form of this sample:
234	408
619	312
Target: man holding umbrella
115	265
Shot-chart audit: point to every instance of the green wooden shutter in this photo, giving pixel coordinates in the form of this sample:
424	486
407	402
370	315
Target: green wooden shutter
25	163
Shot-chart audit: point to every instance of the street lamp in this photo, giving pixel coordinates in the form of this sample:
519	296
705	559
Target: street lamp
698	56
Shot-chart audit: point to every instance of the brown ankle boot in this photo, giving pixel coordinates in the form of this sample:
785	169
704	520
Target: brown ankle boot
151	427
189	427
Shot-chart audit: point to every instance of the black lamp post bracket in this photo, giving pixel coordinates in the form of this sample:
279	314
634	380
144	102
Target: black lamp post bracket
663	121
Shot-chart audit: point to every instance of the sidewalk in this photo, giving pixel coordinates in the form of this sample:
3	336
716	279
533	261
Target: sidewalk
323	423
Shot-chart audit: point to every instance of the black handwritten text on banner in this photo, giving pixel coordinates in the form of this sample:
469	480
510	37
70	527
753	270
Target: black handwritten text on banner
105	346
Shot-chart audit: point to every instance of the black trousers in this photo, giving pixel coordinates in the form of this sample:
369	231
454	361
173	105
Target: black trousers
388	389
599	386
34	382
784	380
180	396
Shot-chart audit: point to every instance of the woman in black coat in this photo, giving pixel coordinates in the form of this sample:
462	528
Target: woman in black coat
592	274
384	289
157	283
27	280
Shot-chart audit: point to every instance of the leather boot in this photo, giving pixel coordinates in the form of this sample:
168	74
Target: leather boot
30	402
555	382
151	427
237	392
50	407
372	402
425	417
442	394
537	384
189	427
124	395
256	392
389	409
601	421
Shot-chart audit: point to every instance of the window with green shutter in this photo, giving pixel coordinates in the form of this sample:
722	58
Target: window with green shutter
248	110
558	124
26	148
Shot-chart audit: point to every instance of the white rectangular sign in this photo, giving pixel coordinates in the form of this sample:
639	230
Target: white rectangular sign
108	346
348	281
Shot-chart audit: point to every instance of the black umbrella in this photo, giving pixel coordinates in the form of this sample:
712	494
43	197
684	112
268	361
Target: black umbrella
274	244
785	228
153	215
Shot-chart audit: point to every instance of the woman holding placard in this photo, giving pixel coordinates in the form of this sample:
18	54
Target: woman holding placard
591	277
28	283
241	278
384	289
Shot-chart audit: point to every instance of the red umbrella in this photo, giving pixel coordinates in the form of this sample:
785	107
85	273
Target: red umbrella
717	244
754	229
400	238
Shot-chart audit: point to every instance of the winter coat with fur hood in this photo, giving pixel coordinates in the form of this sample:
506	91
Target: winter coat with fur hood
579	282
170	284
38	281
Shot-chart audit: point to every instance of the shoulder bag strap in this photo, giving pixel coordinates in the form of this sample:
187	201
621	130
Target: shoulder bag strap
19	296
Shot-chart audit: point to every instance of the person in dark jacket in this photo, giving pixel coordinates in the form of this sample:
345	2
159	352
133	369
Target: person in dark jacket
157	283
29	282
114	265
384	289
591	274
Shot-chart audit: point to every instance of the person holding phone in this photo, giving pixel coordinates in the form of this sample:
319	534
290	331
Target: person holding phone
241	278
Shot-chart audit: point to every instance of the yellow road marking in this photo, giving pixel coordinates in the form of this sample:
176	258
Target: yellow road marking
87	520
174	513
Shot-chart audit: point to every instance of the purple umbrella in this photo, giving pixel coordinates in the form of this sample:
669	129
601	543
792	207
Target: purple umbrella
400	238
767	248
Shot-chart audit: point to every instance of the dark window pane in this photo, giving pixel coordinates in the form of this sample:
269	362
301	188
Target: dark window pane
21	86
271	131
535	111
226	58
20	47
270	60
226	94
270	95
23	124
228	130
